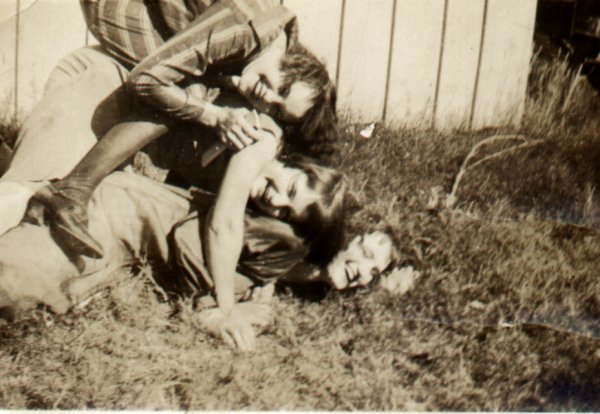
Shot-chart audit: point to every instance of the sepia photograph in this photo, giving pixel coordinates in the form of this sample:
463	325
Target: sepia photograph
300	205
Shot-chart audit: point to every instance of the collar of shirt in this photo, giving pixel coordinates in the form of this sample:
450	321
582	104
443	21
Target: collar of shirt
268	24
267	19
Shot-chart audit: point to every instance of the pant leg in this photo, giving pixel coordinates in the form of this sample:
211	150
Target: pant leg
84	98
33	270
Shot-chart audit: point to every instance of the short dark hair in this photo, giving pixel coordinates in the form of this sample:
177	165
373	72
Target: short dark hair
317	133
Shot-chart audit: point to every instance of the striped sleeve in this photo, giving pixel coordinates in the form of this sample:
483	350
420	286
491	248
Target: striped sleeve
220	35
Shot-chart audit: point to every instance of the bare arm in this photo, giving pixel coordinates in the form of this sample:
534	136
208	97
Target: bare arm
225	229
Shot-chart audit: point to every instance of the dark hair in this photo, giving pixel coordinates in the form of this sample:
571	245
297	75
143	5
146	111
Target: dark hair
324	223
317	133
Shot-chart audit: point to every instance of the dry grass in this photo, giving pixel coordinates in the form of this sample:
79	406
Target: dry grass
504	317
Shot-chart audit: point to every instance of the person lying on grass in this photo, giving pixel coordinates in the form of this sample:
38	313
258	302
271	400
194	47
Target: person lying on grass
308	196
137	219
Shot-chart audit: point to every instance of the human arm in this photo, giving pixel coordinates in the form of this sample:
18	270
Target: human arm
220	36
224	232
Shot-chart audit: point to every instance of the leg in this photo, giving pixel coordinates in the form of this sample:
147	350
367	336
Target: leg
32	273
83	99
66	202
129	215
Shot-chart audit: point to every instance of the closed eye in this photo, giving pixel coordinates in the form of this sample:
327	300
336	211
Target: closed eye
367	253
265	81
293	188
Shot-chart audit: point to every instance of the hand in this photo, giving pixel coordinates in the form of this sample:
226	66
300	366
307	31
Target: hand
234	331
258	314
234	128
236	326
261	294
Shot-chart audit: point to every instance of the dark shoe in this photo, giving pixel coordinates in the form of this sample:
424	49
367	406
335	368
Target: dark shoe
67	218
34	213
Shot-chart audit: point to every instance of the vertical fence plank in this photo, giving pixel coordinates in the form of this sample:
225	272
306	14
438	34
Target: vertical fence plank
8	43
49	30
459	66
477	85
364	58
319	27
415	60
507	48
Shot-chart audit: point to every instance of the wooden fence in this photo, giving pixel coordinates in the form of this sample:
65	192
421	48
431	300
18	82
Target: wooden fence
425	63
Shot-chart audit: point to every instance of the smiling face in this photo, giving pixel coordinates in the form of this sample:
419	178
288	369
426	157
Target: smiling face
365	257
261	84
283	192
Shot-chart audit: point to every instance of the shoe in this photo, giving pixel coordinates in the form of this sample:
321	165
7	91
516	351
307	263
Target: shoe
67	218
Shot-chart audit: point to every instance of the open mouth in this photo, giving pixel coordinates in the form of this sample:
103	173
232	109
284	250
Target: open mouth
350	274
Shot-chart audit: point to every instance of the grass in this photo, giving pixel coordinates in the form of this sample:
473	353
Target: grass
504	317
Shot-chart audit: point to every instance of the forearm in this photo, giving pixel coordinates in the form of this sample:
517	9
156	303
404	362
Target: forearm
213	38
224	245
177	102
225	226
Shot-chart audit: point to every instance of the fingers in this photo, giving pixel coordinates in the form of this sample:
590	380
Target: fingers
239	334
263	294
253	133
240	136
231	138
227	338
236	328
248	131
256	314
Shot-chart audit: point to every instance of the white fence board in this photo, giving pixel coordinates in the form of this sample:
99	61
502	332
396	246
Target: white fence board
8	44
434	69
318	29
415	61
364	58
505	62
459	64
49	30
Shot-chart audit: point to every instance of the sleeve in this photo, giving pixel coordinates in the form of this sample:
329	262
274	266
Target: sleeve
271	249
221	35
188	274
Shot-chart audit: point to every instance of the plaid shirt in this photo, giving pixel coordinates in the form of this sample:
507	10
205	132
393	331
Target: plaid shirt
177	43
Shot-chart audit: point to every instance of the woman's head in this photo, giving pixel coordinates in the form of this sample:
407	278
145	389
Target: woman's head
364	258
293	86
371	246
307	195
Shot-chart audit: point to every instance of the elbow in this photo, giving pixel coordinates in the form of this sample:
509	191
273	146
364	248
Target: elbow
219	229
140	84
